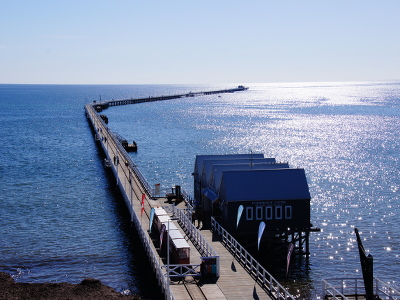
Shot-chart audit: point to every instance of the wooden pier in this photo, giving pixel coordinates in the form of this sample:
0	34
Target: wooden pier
238	275
105	104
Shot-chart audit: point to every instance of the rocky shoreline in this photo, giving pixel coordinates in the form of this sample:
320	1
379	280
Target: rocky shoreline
87	289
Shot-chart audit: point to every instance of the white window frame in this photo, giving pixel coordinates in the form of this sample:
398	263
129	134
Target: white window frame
259	212
288	208
249	213
278	216
270	215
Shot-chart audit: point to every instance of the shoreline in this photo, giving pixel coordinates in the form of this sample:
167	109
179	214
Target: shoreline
87	289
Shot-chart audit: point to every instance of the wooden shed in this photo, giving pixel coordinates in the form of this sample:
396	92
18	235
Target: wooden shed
199	167
269	192
218	169
279	197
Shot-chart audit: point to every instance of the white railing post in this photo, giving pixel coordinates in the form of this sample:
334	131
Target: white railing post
342	288
323	289
252	266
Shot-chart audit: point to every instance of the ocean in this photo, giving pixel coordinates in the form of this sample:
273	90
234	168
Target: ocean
62	220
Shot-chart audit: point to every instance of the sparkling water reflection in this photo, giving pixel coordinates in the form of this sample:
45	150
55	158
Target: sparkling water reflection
345	135
59	217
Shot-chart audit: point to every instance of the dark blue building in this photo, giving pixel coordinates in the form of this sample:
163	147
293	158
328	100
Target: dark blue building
267	191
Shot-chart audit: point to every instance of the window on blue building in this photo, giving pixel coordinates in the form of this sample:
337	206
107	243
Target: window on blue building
278	212
288	212
259	213
268	212
249	213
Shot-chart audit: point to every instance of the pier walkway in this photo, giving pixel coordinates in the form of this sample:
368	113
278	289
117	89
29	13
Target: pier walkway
105	104
238	275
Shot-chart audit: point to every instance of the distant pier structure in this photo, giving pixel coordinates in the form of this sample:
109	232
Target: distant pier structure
105	104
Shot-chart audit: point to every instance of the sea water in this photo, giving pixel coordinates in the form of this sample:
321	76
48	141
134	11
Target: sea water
61	219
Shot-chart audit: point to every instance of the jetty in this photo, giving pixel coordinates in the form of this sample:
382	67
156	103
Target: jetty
219	268
106	104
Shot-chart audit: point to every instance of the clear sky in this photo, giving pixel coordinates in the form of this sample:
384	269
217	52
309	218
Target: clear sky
135	42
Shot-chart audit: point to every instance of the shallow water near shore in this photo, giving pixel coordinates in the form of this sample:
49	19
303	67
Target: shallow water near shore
60	220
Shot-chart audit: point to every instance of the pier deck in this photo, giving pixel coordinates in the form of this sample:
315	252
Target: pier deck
105	104
234	281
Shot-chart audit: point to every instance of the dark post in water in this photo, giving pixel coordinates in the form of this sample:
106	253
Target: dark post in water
367	269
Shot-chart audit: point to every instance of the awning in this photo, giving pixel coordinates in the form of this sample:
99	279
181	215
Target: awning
210	195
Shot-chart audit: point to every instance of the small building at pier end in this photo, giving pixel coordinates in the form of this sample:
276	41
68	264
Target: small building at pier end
242	191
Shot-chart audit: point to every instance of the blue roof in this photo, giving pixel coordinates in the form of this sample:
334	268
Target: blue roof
216	176
208	165
198	165
264	185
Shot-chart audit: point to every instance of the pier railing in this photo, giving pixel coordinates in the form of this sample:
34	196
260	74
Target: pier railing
123	156
163	281
128	160
261	275
181	271
347	288
107	139
195	236
105	104
188	199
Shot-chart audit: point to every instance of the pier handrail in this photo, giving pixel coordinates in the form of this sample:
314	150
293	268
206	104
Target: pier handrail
133	166
124	156
259	273
382	288
153	258
355	286
329	290
195	236
95	107
105	104
99	123
188	199
182	270
102	130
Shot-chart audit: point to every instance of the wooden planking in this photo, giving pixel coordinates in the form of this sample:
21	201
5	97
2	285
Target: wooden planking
179	291
214	292
131	191
177	288
234	281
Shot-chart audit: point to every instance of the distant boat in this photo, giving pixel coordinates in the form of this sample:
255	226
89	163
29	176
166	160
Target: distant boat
128	147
